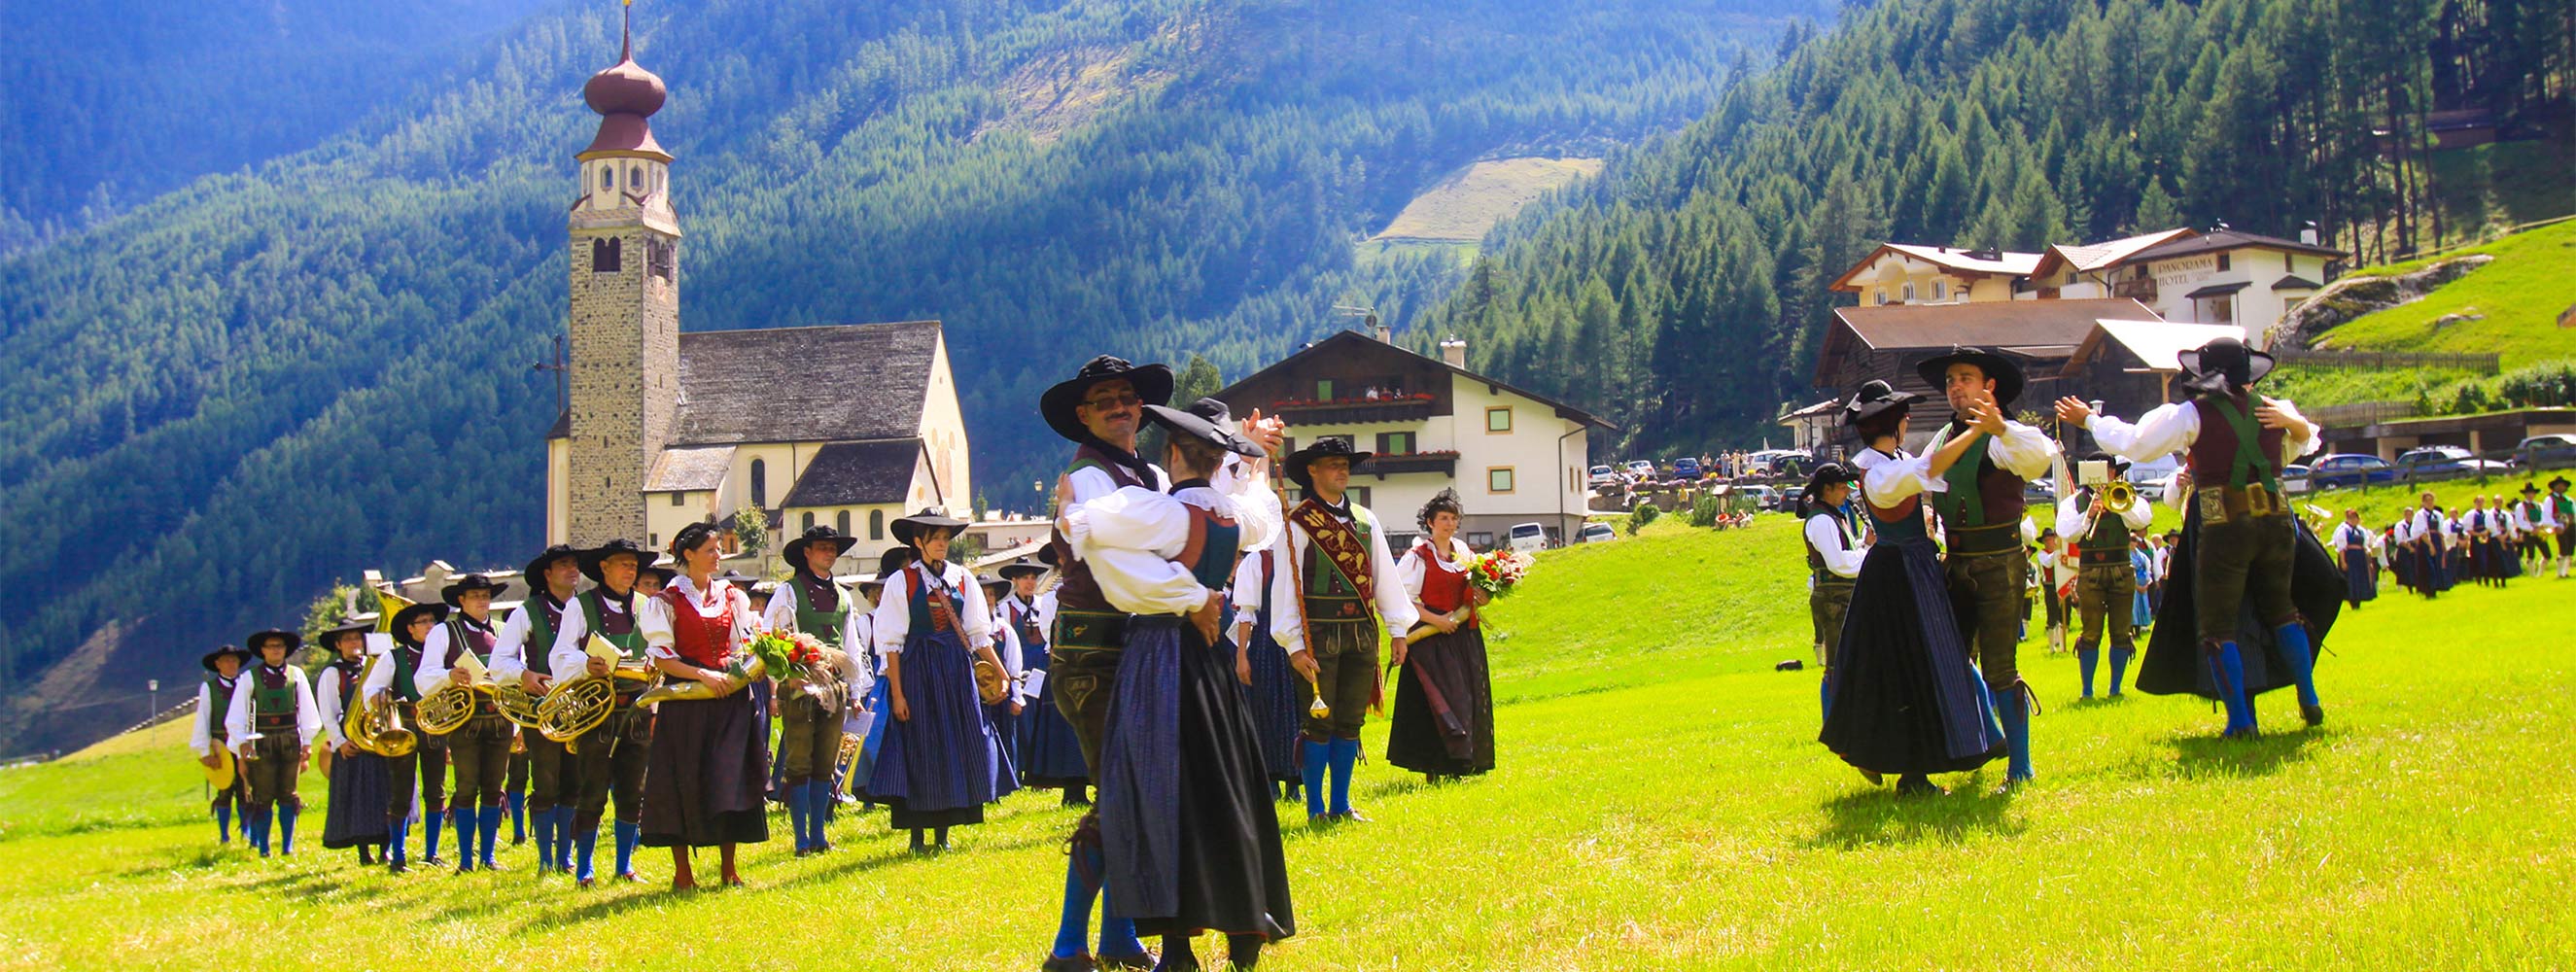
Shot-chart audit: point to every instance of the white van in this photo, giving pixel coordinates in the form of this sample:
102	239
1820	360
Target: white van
1527	538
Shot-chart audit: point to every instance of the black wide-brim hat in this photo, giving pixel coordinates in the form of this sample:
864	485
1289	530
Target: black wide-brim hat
2223	361
535	571
1876	398
2118	464
236	651
1324	448
1206	420
294	640
906	528
468	583
738	579
2559	482
795	550
2005	374
1153	383
2530	487
1023	567
353	626
990	581
595	557
1825	475
663	568
1046	555
894	559
402	618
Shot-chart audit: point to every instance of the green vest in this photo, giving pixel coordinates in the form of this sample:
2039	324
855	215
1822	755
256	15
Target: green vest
2566	506
219	701
541	636
272	709
630	644
825	626
1962	504
2109	543
1328	595
406	665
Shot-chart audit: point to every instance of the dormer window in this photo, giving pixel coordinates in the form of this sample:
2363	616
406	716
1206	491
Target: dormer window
635	177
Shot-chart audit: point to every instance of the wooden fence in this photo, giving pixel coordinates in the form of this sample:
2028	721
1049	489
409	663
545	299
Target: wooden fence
2484	364
2360	413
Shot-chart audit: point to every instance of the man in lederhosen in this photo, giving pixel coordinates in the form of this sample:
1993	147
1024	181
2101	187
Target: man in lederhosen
609	759
478	751
208	738
1981	508
2245	544
522	655
271	728
1099	409
1337	587
1836	545
2106	585
811	711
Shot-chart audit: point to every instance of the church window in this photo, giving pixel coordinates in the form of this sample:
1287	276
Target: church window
679	499
607	256
876	524
809	520
760	486
841	522
608	177
635	177
658	258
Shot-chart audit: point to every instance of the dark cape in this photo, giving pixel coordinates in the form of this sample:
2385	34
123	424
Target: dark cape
2173	663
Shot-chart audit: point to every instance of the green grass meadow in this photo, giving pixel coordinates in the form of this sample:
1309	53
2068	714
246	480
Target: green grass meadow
1661	804
2520	296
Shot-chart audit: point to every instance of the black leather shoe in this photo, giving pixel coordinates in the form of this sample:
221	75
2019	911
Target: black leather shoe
397	867
1077	962
1918	786
2314	714
1139	962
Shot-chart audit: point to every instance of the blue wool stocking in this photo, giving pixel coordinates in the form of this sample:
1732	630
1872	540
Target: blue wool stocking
1073	923
1825	693
563	838
465	827
628	836
818	809
286	829
583	844
2013	706
545	839
398	847
1312	759
2227	666
2302	659
1345	755
518	817
491	820
255	827
796	812
224	822
433	826
2119	667
2087	658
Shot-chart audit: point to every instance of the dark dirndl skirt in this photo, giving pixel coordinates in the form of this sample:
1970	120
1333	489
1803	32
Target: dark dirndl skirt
1006	735
937	769
1189	835
1418	739
1050	754
707	773
359	790
1272	701
2174	664
2360	576
1906	697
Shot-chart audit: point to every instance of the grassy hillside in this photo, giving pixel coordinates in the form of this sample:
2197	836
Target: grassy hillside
2516	301
1465	205
1661	804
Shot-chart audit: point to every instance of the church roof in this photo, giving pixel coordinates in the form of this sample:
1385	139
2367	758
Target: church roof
839	383
689	470
856	474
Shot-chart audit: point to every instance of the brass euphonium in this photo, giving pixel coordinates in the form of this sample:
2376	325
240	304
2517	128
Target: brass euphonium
375	726
579	704
447	709
515	703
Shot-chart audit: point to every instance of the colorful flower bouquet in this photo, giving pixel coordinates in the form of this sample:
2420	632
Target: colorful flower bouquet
1495	574
798	657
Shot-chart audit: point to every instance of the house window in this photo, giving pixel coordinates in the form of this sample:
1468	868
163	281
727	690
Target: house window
1909	291
876	524
1324	390
653	540
1395	443
2223	309
809	520
841	522
1498	419
2290	263
679	499
1882	297
2222	263
1498	479
760	486
606	256
1940	290
1357	494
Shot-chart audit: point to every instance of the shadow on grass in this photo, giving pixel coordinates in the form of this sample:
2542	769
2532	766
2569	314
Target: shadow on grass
1878	817
2205	754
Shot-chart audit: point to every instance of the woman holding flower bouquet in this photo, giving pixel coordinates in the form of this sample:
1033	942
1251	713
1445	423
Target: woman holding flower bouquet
1443	724
709	767
940	758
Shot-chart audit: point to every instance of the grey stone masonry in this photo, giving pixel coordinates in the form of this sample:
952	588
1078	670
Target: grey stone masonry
625	365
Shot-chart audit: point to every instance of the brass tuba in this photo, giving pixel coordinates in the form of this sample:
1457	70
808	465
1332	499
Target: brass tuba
375	726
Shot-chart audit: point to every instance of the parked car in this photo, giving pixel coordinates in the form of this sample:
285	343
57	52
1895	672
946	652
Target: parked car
1601	476
2038	494
1527	538
1595	533
2347	470
2545	450
2444	462
1686	467
2294	478
1788	501
1762	497
1641	469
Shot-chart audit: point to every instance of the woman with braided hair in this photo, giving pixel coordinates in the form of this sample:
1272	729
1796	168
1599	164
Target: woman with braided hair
1443	723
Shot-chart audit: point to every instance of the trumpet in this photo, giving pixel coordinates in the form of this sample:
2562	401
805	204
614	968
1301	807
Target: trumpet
373	725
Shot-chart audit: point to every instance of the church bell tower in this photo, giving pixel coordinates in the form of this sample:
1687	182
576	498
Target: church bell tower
625	342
